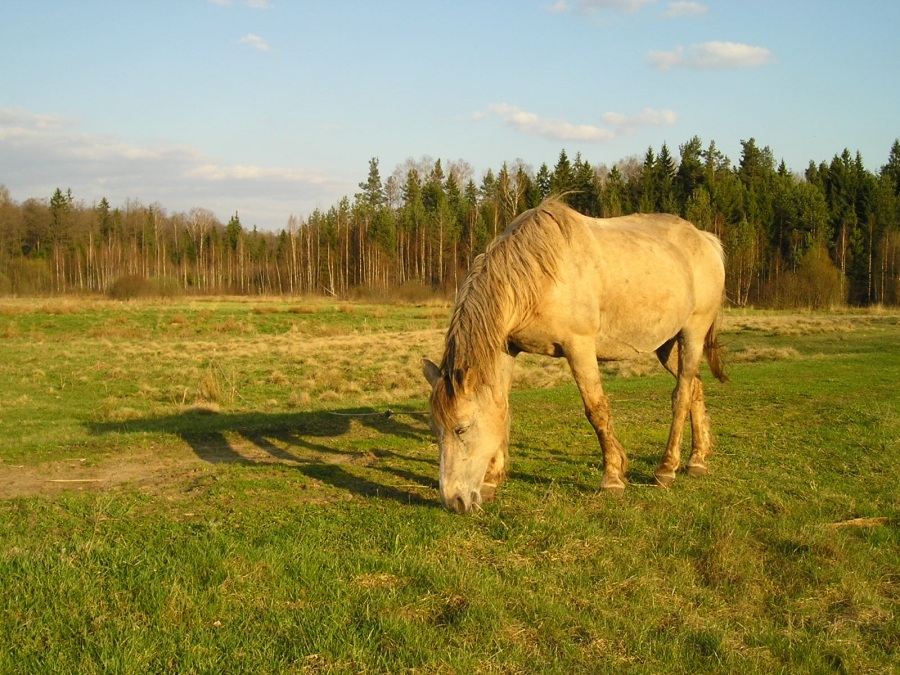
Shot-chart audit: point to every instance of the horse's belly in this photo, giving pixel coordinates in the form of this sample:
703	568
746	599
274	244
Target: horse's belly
641	330
609	349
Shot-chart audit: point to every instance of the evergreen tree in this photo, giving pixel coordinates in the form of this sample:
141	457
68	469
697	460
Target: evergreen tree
649	187
507	197
586	196
690	173
562	180
233	232
615	198
886	214
543	181
437	216
665	171
61	206
892	168
372	195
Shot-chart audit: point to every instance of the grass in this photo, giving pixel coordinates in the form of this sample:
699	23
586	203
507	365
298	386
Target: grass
214	486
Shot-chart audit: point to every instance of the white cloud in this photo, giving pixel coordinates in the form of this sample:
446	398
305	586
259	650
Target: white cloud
711	55
252	4
255	42
19	124
646	118
593	6
39	153
241	172
683	9
529	124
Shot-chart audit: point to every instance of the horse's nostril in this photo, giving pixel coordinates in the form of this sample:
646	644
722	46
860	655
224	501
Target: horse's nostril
476	498
459	505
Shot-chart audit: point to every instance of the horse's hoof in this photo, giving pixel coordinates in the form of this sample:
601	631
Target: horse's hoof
697	470
614	490
663	480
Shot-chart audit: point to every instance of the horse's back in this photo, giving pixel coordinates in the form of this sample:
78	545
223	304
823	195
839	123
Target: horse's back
664	227
635	281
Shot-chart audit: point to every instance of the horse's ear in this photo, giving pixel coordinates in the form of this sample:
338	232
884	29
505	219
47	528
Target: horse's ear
431	372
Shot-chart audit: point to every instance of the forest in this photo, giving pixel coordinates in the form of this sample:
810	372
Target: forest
826	238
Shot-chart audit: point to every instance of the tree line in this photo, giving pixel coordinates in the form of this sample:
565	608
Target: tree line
827	237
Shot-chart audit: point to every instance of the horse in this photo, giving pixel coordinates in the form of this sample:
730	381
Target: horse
565	285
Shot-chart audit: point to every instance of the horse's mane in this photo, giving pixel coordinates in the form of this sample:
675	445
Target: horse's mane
503	285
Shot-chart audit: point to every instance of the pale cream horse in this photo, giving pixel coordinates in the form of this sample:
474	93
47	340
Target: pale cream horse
562	284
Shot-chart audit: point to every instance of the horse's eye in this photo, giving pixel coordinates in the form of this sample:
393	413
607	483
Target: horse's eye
459	431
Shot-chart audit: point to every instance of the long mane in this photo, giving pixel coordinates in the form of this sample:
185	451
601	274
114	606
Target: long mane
503	284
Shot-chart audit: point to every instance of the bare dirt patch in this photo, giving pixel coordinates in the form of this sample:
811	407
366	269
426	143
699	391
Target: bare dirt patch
323	447
153	469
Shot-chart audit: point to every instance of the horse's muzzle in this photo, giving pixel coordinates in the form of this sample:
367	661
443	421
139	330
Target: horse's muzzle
461	503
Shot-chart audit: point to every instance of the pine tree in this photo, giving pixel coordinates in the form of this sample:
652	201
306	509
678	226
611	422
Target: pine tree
892	168
615	201
586	196
562	180
543	181
372	195
665	171
649	184
690	173
60	223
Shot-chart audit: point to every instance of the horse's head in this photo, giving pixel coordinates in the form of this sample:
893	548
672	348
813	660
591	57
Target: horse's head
471	423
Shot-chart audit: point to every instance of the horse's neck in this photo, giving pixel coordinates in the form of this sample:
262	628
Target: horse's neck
504	372
479	341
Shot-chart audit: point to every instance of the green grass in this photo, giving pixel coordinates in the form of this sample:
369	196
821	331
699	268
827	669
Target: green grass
230	521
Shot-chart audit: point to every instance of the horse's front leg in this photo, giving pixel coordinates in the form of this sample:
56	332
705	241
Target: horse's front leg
583	363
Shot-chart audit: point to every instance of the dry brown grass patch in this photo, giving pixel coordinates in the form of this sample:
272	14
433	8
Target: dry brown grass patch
202	408
377	581
299	399
754	353
303	309
797	324
12	331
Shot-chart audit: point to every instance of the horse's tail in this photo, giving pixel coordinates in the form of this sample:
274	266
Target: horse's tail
713	351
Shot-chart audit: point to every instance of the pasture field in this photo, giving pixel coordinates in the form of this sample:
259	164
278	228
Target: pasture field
211	486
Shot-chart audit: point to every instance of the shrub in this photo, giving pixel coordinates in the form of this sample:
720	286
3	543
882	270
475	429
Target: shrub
816	284
128	287
27	276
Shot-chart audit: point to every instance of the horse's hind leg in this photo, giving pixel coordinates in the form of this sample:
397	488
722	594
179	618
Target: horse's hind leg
681	357
584	367
701	433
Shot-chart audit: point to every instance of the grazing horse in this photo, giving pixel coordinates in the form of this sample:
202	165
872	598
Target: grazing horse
562	284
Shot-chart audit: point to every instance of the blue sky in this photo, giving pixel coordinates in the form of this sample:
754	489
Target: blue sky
271	108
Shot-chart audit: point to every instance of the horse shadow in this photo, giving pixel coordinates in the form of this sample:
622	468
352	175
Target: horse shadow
318	444
581	462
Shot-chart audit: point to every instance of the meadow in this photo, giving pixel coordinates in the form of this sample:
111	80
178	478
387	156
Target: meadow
231	485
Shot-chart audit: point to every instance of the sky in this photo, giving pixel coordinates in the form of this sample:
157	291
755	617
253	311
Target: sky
274	108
